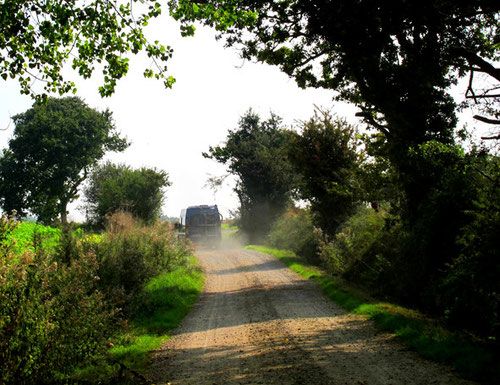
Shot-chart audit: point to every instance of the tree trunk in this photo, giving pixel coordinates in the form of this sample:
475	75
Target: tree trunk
64	214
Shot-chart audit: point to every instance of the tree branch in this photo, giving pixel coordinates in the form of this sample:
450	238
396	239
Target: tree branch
486	120
482	64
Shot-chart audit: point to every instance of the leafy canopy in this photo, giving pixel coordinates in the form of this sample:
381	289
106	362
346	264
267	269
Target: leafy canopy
325	155
114	188
395	61
38	38
255	153
54	146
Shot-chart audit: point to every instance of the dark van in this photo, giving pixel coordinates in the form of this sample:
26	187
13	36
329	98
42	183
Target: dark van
202	224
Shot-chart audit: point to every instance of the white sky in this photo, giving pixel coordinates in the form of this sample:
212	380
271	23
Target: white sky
169	129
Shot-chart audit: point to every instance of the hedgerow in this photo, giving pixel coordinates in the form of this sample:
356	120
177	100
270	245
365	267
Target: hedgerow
62	303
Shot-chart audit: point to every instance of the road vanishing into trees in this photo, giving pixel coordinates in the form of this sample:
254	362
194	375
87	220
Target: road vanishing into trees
257	322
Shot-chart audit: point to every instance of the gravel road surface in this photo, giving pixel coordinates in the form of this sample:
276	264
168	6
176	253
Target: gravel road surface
257	322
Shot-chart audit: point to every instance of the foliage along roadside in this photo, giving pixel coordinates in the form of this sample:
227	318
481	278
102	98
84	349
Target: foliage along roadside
60	309
165	301
418	333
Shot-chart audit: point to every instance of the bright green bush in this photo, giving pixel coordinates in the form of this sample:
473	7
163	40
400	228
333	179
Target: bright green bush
294	231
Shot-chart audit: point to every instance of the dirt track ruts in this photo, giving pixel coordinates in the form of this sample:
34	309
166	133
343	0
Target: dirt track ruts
257	322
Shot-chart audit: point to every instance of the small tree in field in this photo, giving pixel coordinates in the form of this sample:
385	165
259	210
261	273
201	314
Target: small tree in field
54	146
114	187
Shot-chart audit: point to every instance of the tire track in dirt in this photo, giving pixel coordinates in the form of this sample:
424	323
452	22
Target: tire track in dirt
257	322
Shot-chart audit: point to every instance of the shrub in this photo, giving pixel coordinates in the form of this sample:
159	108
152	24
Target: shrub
52	317
8	224
363	249
59	305
470	291
130	254
294	231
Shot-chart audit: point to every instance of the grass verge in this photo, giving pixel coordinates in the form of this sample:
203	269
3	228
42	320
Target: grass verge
424	336
228	226
164	302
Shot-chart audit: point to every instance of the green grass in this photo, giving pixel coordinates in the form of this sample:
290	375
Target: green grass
27	234
165	301
228	226
424	336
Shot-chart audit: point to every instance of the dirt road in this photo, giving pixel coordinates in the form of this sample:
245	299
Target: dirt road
257	322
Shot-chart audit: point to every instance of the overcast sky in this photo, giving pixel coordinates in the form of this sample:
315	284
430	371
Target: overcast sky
169	129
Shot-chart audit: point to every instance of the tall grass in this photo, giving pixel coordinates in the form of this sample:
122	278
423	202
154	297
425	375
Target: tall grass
424	336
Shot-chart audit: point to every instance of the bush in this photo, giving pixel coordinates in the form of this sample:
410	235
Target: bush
59	304
52	317
294	231
363	249
470	291
130	254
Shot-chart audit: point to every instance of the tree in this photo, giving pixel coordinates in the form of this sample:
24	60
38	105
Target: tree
256	154
396	62
54	146
483	97
38	38
325	155
112	188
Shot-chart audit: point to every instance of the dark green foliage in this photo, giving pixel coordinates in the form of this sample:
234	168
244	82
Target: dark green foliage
432	232
39	38
53	148
256	154
114	188
325	156
294	231
396	62
471	293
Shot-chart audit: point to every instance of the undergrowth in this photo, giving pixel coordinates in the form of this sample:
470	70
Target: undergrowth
164	302
67	297
423	335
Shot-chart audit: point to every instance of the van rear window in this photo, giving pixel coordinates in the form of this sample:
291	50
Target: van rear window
202	219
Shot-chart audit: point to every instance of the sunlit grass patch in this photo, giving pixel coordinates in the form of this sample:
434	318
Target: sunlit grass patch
228	226
165	301
423	335
30	235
